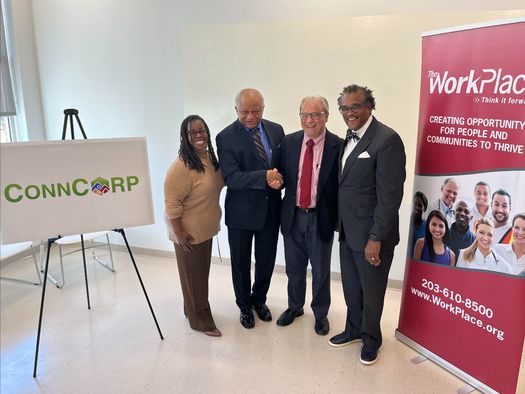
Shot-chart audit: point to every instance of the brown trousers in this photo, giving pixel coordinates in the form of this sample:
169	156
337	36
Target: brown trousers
194	271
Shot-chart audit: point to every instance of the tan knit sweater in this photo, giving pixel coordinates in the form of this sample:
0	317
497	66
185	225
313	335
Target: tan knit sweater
194	197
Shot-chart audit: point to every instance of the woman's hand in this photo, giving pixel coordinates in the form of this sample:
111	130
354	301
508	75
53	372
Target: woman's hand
184	240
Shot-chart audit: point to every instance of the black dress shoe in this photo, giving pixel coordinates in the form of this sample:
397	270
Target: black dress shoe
343	339
322	326
263	312
369	355
288	316
247	319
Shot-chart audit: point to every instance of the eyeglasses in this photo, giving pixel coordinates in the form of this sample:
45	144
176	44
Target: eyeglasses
354	107
195	133
313	115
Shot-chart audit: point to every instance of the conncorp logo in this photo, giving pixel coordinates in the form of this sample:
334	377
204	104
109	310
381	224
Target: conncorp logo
489	80
77	187
100	186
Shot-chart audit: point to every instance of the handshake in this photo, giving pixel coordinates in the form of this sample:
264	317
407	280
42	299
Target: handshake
274	179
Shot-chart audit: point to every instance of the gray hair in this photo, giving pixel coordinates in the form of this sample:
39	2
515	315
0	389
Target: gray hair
248	91
319	99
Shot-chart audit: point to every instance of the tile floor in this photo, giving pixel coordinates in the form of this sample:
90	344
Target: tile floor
115	346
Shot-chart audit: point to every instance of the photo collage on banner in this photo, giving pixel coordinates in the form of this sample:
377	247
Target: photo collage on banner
464	284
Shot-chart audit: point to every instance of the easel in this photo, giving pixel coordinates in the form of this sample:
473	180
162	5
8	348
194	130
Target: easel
68	115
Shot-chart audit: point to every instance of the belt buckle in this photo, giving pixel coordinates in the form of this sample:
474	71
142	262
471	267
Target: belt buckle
306	210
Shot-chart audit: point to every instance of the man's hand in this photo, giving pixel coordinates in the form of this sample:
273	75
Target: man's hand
372	250
274	179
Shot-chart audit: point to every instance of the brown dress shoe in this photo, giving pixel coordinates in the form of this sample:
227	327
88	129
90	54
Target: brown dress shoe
213	333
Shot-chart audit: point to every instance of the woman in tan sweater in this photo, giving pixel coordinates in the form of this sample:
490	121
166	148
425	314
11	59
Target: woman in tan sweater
191	196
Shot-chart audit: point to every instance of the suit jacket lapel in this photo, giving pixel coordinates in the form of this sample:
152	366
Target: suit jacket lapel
329	155
295	155
246	139
270	135
358	149
274	144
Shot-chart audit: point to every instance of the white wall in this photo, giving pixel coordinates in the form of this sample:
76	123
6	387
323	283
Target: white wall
137	67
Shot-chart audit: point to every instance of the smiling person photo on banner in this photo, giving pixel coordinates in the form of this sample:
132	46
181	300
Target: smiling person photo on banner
445	204
433	247
514	253
480	255
481	207
501	206
417	223
460	234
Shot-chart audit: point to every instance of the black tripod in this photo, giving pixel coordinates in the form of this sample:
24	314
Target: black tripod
68	115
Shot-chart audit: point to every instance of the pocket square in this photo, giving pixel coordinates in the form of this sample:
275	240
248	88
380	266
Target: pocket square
364	155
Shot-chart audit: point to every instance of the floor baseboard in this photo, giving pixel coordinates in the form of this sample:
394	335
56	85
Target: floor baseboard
168	254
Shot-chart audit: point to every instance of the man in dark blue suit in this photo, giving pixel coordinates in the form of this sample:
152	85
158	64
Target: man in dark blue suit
370	193
309	167
247	150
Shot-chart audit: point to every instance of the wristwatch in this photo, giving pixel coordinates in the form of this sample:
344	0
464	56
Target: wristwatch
373	237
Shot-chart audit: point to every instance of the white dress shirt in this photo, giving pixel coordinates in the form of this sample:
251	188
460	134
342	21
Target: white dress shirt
507	253
491	262
350	145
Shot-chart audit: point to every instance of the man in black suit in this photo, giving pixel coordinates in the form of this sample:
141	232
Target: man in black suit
309	167
247	150
370	193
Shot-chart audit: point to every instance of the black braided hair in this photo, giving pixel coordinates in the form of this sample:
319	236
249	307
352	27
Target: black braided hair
186	152
369	97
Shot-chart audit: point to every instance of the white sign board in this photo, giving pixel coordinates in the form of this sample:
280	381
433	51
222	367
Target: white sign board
53	188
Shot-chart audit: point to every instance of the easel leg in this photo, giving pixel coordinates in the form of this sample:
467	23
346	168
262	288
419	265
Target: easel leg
121	231
49	243
85	269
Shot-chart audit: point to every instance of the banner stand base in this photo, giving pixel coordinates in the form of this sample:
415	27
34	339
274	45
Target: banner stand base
471	381
466	389
419	359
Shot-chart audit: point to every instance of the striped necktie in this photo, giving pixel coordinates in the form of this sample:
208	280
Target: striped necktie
259	146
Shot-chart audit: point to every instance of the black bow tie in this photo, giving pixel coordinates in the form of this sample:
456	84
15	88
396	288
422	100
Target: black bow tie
351	135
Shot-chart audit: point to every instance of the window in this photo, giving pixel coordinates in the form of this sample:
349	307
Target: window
9	108
5	129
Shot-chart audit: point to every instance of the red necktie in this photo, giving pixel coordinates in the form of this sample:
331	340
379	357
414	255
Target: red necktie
306	175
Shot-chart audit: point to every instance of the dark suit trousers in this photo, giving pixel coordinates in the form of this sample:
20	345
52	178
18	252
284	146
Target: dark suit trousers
301	244
241	259
364	287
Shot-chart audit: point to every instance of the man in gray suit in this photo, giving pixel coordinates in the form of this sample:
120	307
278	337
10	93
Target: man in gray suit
371	180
